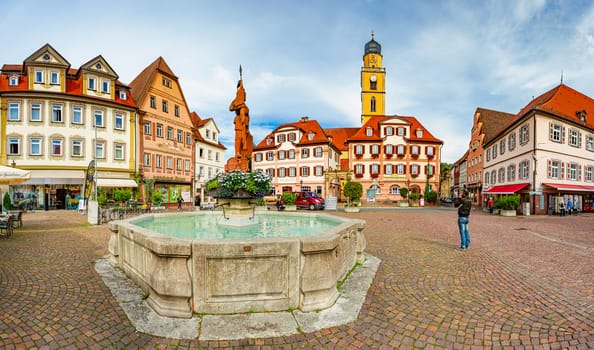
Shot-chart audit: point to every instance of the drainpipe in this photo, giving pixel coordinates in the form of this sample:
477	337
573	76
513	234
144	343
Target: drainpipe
533	207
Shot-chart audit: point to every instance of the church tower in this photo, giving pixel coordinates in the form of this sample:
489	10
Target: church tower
373	82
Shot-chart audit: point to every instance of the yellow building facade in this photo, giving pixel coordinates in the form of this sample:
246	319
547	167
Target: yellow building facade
373	82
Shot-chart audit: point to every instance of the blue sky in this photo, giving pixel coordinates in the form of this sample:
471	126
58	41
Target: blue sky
303	58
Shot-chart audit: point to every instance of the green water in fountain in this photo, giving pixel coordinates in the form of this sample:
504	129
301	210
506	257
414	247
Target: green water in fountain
205	226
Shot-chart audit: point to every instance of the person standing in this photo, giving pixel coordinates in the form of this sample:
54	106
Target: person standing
179	202
569	207
490	205
561	208
463	219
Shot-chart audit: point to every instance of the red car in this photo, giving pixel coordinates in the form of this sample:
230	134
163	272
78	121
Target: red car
309	200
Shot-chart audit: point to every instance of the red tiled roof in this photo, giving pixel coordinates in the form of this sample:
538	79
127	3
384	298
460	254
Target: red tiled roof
339	136
493	121
376	121
306	126
198	122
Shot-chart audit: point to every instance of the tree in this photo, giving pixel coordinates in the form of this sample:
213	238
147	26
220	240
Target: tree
7	203
353	191
404	192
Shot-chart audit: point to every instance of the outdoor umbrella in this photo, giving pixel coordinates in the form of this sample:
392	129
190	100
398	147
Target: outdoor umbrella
13	176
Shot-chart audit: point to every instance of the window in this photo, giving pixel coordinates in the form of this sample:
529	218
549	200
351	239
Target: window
13	81
281	155
373	83
394	189
77	148
590	142
169	164
153	102
14	113
14	146
430	151
388	169
400	169
305	153
187	165
374	169
575	138
164	106
91	83
375	150
188	138
99	119
99	149
523	170
147	159
280	138
400	149
511	173
169	133
493	177
105	86
123	95
77	117
359	170
178	164
415	150
35	146
511	141
524	135
401	132
166	82
372	104
201	153
304	171
369	131
573	171
358	150
292	171
318	170
291	154
217	157
180	136
35	112
310	136
159	130
214	136
501	175
588	173
209	154
556	132
419	133
159	161
414	170
270	155
38	76
502	146
488	154
553	169
147	128
119	121
56	113
258	157
389	131
389	150
118	151
494	151
54	78
292	136
430	170
281	172
486	178
57	147
318	152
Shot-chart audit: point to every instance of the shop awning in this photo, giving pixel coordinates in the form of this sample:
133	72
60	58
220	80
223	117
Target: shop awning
116	183
505	189
570	188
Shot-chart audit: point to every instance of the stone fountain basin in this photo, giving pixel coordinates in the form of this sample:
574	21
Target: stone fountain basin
220	276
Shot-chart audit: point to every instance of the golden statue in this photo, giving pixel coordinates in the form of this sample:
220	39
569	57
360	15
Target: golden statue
243	138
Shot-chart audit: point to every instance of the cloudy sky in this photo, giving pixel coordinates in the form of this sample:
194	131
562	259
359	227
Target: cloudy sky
303	58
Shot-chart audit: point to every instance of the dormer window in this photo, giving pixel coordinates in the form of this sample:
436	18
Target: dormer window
92	84
310	136
369	131
13	80
400	132
268	141
105	87
419	133
54	78
123	95
389	131
39	76
581	115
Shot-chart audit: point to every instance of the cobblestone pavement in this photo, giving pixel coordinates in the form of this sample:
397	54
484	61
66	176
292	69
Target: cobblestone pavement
525	283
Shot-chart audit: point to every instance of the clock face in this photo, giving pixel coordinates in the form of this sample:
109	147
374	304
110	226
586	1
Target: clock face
372	59
373	78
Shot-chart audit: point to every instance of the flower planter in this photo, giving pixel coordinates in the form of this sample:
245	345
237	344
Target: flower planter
351	209
290	207
403	204
506	212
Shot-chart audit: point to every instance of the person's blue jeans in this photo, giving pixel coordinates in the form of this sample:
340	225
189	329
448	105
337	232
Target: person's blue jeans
464	234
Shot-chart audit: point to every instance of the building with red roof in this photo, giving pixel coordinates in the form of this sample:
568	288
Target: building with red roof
545	153
56	119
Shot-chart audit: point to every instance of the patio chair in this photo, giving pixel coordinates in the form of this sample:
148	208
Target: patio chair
6	226
17	220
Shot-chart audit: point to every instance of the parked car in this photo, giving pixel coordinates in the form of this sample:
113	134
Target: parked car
309	200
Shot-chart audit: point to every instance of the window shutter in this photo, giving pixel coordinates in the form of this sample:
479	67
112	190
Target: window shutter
579	139
562	170
563	134
550	131
549	165
579	172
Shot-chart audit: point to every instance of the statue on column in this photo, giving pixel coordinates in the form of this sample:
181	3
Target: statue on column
243	138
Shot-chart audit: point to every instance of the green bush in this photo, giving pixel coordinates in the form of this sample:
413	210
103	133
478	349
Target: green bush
431	197
404	192
353	191
508	202
6	202
289	198
157	198
414	196
122	195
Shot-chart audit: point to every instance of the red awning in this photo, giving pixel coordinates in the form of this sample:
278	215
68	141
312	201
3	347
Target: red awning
505	189
572	188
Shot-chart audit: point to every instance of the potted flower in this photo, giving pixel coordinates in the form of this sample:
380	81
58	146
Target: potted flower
353	191
507	205
415	199
289	199
404	194
239	184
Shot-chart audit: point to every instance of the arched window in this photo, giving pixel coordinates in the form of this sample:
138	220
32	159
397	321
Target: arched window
373	104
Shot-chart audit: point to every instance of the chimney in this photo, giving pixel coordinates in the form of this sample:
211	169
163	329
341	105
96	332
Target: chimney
304	119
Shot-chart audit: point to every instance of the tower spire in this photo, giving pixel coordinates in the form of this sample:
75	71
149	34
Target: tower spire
240	73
